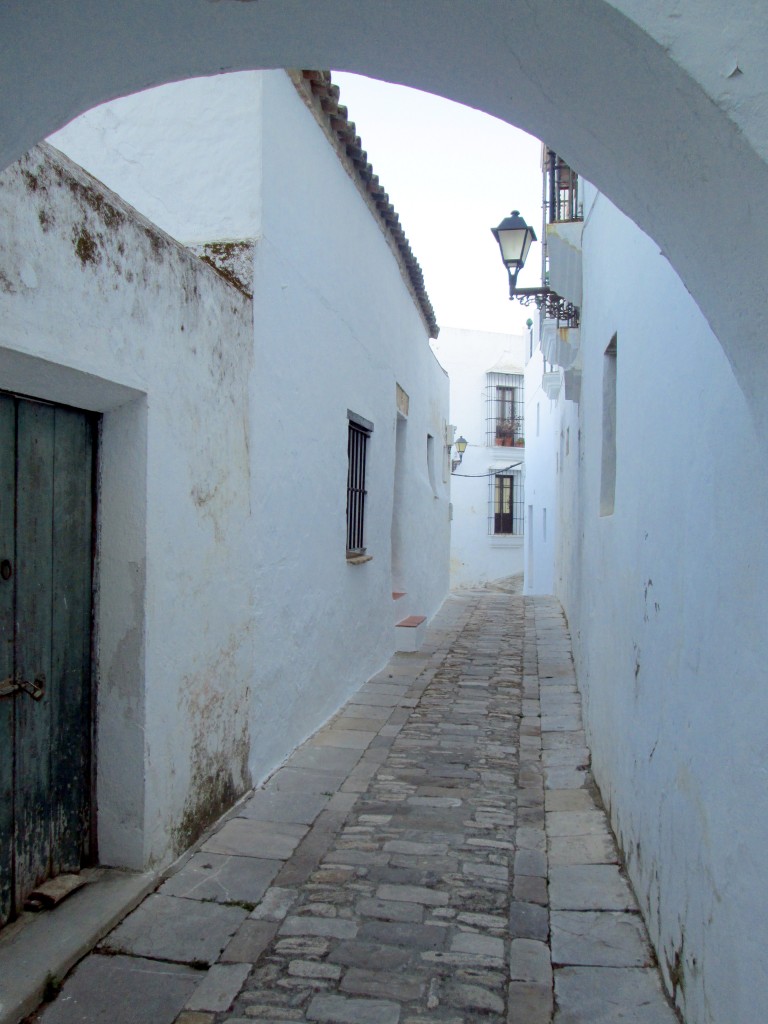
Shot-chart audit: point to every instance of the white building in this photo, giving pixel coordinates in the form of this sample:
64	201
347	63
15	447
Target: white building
660	563
488	411
237	603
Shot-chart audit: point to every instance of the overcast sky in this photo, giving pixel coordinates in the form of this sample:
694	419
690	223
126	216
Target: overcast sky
452	174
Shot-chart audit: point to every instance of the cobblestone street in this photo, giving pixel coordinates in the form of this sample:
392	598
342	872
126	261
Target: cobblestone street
434	853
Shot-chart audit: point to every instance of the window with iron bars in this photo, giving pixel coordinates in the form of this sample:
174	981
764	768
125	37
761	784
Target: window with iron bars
506	504
357	450
505	410
561	196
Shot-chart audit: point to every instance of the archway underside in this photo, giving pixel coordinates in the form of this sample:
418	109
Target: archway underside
582	76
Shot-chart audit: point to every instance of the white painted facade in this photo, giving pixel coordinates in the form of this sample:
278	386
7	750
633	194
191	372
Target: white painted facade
229	623
478	553
667	608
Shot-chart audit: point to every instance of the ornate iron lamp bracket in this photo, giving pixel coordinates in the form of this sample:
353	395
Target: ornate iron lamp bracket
552	305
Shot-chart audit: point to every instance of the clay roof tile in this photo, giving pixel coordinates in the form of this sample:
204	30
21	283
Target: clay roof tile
322	93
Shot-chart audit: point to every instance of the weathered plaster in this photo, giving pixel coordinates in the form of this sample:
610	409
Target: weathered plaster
132	325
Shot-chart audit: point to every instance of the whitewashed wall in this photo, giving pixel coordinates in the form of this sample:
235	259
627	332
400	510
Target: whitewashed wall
100	310
476	556
230	625
668	607
187	156
542	468
334	329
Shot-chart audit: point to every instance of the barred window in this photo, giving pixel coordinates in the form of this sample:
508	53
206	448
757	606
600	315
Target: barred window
505	410
562	190
357	450
506	504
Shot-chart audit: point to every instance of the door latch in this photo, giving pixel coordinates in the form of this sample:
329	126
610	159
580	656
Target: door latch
11	685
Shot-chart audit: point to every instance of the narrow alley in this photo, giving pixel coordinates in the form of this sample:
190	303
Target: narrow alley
437	852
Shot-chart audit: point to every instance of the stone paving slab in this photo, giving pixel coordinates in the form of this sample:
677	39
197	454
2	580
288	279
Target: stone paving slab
605	995
599	939
305	780
569	800
300	808
219	987
332	751
182	931
371	711
249	942
600	849
576	823
422	859
589	887
345	738
223	878
123	990
245	837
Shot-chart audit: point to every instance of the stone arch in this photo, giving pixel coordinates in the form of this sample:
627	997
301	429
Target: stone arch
652	105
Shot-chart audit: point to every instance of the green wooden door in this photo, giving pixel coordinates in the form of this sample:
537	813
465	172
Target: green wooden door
46	520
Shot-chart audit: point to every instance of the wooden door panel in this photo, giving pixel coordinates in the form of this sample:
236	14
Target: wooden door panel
69	686
7	473
34	593
46	521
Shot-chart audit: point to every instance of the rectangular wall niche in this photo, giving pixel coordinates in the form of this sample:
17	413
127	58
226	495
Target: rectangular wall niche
608	470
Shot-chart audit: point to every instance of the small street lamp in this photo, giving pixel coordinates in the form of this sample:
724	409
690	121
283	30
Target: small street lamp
461	446
514	237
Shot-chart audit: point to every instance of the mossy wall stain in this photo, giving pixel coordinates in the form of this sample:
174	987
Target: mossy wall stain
97	201
86	248
231	260
6	284
219	746
32	181
226	274
218	779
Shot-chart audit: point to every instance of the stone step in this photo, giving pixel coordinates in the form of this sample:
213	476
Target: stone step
409	633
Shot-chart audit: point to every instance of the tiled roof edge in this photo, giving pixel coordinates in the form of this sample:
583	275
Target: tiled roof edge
322	97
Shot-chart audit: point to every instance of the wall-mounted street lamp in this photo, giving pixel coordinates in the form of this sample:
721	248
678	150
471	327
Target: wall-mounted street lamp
515	238
461	446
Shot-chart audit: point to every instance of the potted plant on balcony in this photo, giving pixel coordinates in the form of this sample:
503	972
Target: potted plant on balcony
505	433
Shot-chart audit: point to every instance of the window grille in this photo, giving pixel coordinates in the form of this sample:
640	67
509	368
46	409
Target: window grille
505	503
562	198
505	410
357	450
